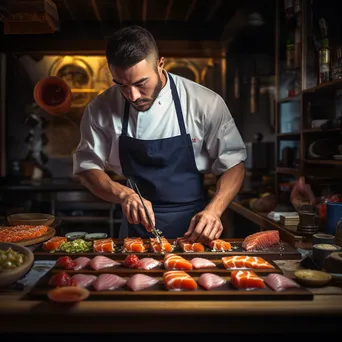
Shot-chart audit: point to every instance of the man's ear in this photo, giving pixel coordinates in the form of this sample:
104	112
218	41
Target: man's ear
161	64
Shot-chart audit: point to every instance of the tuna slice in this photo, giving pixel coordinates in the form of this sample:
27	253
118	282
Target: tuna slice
261	240
106	281
84	280
149	263
81	263
199	263
210	281
278	282
101	261
140	282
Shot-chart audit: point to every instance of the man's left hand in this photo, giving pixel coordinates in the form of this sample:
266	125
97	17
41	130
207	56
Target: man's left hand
204	227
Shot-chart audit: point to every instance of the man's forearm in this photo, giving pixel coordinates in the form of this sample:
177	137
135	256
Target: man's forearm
227	187
100	184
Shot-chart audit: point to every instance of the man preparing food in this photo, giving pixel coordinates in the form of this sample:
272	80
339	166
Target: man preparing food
163	132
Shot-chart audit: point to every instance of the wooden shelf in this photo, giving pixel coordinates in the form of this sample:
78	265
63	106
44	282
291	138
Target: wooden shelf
319	130
323	162
287	170
328	86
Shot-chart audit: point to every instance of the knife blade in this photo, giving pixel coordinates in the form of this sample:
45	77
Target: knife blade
134	186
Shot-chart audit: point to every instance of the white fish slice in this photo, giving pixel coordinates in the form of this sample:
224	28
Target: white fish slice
106	281
81	263
199	263
140	282
278	282
210	281
149	263
100	262
84	280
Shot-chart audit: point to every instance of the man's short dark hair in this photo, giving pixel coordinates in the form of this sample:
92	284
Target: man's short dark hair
129	46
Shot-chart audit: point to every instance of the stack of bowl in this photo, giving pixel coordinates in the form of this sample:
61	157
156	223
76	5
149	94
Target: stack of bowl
31	219
308	224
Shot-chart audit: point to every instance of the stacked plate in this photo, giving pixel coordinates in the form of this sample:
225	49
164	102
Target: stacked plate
307	223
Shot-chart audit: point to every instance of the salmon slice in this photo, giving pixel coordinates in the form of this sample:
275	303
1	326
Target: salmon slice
166	245
261	240
54	243
246	280
176	262
104	245
243	261
21	232
179	281
191	247
135	245
220	245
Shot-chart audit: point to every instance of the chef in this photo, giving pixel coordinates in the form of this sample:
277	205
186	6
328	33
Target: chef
163	132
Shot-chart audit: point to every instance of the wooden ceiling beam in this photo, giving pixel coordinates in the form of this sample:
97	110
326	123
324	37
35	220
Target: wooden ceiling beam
168	10
214	9
190	10
96	10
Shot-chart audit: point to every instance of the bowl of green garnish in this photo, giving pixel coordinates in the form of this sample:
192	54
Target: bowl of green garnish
15	262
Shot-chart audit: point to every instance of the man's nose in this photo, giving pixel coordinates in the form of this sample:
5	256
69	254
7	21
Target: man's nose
134	94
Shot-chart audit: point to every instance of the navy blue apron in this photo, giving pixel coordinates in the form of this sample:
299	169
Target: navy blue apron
166	174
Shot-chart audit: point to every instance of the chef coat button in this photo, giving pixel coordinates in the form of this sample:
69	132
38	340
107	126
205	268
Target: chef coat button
159	102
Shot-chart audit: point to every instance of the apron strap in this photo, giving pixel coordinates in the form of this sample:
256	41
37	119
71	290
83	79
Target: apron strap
125	119
177	105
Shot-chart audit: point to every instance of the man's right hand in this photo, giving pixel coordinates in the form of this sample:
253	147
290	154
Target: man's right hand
135	212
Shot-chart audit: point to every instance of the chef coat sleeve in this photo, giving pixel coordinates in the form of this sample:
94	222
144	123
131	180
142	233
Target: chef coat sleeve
223	140
91	152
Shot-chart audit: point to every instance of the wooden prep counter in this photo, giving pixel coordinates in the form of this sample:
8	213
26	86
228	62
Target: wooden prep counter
235	317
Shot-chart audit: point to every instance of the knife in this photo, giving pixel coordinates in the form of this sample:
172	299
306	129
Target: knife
134	187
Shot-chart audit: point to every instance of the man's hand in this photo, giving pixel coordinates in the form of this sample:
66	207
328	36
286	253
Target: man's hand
204	227
135	212
302	194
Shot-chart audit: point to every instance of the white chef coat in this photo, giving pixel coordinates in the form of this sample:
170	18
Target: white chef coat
216	141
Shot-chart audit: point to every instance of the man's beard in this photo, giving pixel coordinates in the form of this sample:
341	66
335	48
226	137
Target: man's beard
155	94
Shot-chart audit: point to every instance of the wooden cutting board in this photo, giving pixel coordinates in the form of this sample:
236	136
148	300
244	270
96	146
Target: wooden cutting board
282	251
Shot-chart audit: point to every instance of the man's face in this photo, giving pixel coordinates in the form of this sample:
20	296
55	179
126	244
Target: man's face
141	83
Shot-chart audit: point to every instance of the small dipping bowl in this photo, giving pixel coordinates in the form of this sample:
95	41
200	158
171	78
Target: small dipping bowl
312	278
95	236
68	294
75	235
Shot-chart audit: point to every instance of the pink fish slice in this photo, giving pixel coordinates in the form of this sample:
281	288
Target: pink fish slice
84	280
107	281
149	263
210	281
140	282
199	263
100	262
81	263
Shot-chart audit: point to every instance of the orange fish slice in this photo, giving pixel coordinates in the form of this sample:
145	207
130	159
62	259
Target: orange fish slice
261	240
191	247
135	245
176	262
220	245
166	245
54	243
104	245
246	280
179	281
243	261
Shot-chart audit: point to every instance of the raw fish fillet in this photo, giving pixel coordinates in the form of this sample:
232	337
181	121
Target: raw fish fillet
261	240
104	245
179	281
278	282
220	245
140	282
210	281
191	247
65	262
81	263
166	245
108	281
198	263
54	243
83	280
176	262
149	263
246	280
101	261
135	245
243	261
61	279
